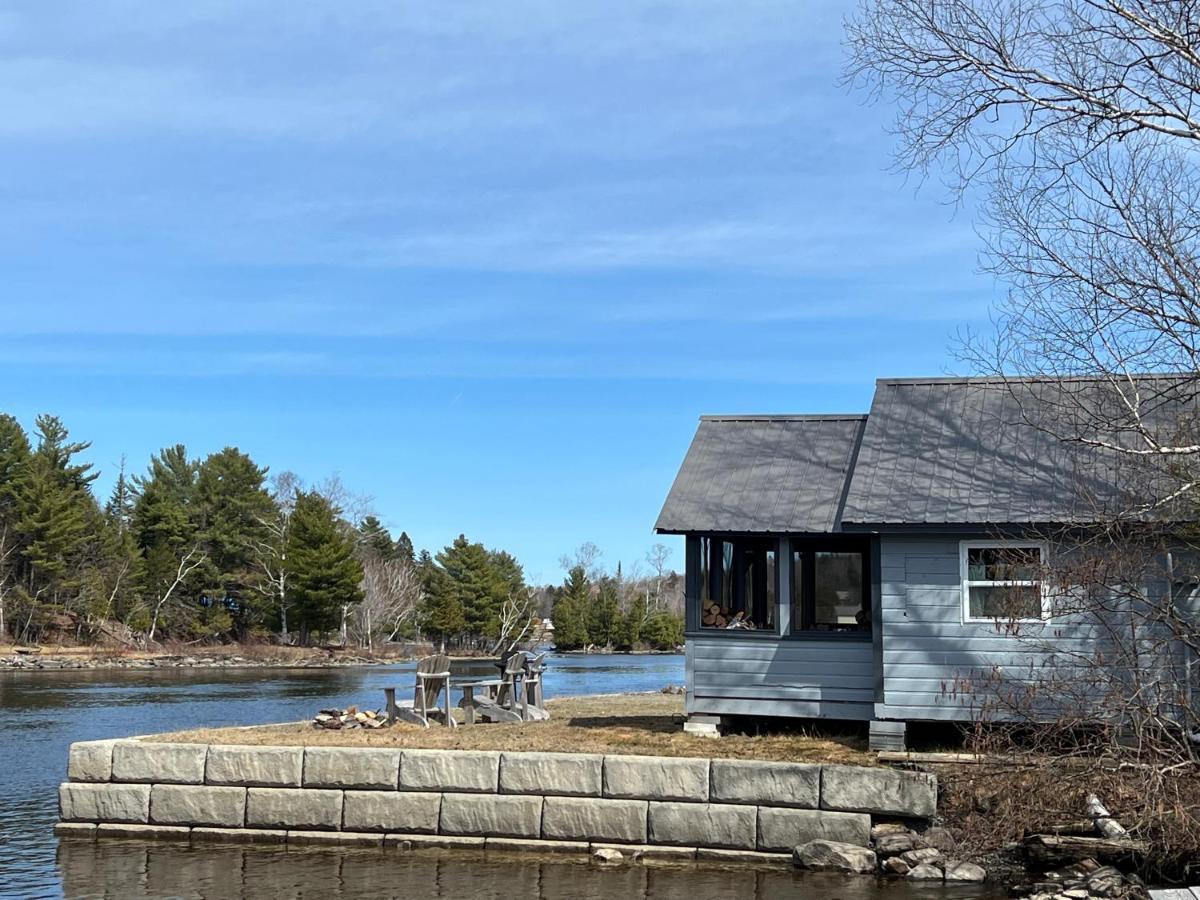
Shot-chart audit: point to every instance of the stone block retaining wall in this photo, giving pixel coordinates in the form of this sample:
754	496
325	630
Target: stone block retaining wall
542	801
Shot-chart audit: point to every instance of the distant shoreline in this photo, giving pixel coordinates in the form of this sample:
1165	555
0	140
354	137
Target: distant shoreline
251	656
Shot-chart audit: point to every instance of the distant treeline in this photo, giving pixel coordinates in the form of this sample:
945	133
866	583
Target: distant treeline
214	549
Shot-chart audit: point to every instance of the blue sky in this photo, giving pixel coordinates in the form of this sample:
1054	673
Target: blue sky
488	262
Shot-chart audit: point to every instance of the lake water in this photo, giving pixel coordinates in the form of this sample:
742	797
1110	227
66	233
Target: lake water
42	713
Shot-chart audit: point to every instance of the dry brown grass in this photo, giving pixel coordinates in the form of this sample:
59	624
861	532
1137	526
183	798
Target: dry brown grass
639	724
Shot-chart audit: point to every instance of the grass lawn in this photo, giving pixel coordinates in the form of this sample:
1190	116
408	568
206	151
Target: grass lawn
640	724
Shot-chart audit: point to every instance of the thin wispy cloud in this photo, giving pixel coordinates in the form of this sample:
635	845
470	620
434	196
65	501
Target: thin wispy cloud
522	241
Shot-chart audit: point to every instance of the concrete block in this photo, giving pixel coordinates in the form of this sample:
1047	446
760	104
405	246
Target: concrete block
255	766
292	809
491	816
433	842
90	761
704	825
557	774
766	783
588	819
743	856
139	761
351	767
336	838
240	835
530	845
83	830
879	790
185	804
407	812
81	802
464	771
143	832
655	778
781	830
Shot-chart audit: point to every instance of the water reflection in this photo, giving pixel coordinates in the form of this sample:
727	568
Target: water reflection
41	713
127	870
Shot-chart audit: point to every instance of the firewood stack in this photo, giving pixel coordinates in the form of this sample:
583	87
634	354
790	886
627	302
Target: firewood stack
716	616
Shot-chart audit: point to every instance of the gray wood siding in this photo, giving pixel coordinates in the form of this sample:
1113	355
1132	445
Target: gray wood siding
929	653
935	665
728	675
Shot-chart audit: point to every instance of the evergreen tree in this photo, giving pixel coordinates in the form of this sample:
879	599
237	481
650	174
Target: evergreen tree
442	616
374	539
629	631
663	631
166	529
404	549
603	615
510	572
325	576
119	509
233	507
479	587
570	610
57	517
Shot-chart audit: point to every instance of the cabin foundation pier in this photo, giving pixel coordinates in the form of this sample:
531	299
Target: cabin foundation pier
703	726
886	735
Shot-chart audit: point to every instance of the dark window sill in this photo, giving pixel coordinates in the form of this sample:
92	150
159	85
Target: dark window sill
853	636
758	634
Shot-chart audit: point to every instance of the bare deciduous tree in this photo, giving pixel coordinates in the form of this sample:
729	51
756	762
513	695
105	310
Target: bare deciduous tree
270	552
392	595
1075	123
188	563
518	616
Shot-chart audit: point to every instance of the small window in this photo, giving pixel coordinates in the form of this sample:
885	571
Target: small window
738	584
829	591
1002	581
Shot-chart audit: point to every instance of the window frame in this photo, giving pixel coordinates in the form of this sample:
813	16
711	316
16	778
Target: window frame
808	549
715	576
966	583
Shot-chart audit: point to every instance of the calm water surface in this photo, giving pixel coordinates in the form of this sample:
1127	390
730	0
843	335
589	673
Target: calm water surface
42	713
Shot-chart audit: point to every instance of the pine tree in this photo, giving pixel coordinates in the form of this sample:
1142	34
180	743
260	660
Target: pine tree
480	589
57	517
233	507
404	549
603	615
14	462
442	616
166	529
374	540
570	611
325	576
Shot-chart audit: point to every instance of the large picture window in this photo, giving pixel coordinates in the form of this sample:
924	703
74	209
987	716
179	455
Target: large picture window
738	584
830	591
1001	580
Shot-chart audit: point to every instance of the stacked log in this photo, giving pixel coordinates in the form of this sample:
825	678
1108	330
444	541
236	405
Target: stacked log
713	615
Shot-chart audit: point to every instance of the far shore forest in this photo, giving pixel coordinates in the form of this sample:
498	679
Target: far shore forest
219	549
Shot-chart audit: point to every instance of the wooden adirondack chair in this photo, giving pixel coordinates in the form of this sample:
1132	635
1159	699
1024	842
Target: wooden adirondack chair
533	687
432	681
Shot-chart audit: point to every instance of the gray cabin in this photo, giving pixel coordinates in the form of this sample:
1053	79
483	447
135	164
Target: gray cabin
838	565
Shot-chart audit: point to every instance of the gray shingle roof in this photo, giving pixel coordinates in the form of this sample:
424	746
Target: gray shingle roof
981	451
763	474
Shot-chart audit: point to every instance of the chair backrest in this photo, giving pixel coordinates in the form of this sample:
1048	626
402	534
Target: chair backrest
537	663
515	664
437	664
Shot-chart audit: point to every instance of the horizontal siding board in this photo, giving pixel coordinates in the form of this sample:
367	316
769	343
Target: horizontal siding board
725	682
828	666
795	709
797	692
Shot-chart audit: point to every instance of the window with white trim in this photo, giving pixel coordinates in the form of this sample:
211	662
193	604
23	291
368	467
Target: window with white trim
1002	580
